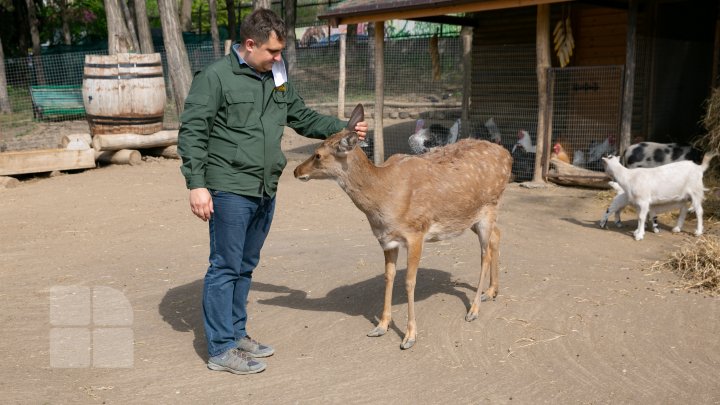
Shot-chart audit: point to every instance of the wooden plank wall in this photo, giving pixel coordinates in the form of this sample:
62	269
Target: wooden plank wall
600	35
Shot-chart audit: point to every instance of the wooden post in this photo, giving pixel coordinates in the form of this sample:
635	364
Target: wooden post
716	52
542	50
378	141
341	81
629	80
467	36
228	46
45	160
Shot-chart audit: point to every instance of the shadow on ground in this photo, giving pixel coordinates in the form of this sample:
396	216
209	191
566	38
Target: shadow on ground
181	307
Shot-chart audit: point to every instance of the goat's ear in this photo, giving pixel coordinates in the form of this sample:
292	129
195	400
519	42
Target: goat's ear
357	115
347	143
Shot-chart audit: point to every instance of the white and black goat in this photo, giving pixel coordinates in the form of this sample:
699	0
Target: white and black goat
672	183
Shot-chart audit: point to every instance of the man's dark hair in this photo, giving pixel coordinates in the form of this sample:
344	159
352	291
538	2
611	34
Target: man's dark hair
260	23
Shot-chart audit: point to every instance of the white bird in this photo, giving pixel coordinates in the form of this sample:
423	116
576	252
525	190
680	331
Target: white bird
524	142
578	158
495	135
597	151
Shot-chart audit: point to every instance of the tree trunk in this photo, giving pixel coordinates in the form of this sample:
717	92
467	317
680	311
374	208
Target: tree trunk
65	15
5	107
143	26
127	15
261	4
290	54
118	37
230	5
186	15
212	5
177	58
35	36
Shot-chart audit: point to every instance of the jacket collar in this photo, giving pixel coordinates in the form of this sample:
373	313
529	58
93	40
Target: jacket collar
239	67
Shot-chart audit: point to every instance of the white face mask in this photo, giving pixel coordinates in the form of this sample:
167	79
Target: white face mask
279	73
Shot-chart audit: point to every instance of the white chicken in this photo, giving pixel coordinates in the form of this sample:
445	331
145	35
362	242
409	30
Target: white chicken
596	152
524	142
494	131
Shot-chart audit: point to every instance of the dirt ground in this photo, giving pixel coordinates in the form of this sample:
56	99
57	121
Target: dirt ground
577	320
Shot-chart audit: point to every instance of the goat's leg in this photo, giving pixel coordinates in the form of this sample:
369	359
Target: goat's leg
390	262
616	206
414	251
697	205
643	209
486	259
681	218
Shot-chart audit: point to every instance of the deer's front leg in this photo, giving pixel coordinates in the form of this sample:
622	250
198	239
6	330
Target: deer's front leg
390	261
414	249
489	248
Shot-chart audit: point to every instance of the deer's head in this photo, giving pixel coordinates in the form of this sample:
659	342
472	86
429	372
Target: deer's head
330	158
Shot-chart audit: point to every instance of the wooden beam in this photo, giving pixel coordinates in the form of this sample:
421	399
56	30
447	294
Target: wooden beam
135	141
45	160
432	10
629	80
542	51
379	139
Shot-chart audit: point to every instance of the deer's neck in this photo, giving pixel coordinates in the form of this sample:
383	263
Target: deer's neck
361	182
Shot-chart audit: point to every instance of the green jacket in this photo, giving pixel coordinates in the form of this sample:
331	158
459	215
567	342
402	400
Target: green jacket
231	127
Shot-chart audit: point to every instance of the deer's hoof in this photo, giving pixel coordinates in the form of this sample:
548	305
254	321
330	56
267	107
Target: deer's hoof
378	331
471	316
407	343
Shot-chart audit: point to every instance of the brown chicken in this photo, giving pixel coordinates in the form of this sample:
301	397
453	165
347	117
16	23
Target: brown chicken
560	154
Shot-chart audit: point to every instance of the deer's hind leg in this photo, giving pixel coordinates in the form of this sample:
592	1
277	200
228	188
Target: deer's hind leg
391	256
489	237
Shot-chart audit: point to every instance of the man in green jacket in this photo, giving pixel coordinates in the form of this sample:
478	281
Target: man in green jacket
229	142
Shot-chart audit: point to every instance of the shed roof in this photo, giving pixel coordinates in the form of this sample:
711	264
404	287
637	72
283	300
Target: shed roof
356	11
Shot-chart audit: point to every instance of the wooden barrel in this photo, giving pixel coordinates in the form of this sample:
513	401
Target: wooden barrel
124	93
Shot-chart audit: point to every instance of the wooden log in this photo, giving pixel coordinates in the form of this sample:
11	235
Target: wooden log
569	175
8	182
134	141
75	138
168	152
120	157
45	160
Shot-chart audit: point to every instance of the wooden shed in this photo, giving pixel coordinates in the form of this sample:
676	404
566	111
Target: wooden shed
640	69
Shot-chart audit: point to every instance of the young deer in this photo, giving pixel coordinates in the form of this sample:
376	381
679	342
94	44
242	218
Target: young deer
412	199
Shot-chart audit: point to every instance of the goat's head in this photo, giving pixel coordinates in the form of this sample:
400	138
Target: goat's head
330	158
610	162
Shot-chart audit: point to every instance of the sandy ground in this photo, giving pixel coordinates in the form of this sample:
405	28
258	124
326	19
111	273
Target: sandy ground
577	319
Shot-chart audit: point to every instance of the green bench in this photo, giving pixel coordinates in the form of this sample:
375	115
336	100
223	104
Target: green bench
57	102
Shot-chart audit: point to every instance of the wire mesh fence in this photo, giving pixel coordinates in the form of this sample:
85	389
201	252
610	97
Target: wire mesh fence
420	90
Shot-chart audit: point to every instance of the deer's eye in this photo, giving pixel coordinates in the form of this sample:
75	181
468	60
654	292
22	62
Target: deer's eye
317	156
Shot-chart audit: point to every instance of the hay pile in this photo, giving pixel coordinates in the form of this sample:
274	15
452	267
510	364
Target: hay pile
711	141
697	263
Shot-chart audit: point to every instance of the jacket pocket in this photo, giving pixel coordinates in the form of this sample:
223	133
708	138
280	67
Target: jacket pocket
240	108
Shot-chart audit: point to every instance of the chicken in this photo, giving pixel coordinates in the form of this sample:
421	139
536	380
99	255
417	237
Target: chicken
436	135
524	142
495	135
596	152
559	153
579	158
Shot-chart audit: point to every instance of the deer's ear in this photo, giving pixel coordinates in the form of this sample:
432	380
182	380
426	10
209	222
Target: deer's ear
347	143
357	115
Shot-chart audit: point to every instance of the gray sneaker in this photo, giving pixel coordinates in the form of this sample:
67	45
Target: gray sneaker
236	362
253	348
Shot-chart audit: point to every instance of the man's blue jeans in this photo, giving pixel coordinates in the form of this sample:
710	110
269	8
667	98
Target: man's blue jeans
238	228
